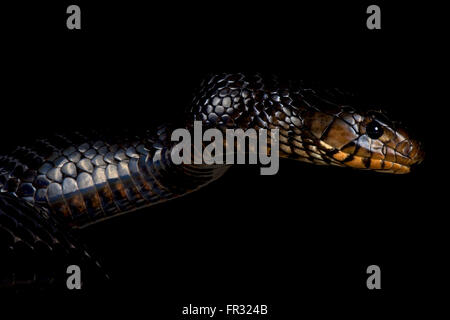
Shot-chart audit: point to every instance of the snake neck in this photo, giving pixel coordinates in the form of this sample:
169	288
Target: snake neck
90	180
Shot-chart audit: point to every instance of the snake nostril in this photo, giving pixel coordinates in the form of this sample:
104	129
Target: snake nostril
411	148
405	148
416	152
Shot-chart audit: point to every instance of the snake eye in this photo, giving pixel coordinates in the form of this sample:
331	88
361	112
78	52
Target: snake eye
374	130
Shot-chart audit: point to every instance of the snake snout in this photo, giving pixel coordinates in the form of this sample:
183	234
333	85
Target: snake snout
406	154
416	152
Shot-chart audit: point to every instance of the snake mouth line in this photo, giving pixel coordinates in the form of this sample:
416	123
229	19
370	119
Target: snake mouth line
378	165
395	168
342	158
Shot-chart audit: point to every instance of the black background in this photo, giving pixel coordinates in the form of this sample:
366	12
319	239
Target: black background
299	241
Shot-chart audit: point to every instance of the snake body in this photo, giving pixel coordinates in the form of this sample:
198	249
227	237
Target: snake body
74	180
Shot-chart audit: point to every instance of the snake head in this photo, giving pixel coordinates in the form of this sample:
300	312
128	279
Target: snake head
314	126
363	140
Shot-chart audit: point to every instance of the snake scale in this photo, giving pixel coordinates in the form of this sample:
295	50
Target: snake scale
63	182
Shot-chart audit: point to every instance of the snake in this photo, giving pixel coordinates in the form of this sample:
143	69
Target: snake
64	182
